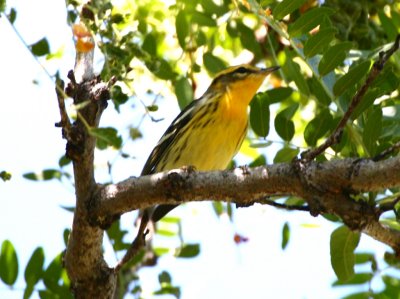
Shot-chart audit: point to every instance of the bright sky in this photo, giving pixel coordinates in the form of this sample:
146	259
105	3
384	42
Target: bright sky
31	216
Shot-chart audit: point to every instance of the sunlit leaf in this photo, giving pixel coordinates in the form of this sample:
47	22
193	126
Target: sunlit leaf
285	155
106	137
182	28
5	176
343	243
353	76
319	42
286	7
334	57
285	235
309	20
8	263
188	251
212	63
184	92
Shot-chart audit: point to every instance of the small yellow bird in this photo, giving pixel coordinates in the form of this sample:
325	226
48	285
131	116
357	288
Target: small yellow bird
210	130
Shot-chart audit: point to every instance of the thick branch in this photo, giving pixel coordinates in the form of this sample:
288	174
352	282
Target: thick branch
178	186
89	274
332	183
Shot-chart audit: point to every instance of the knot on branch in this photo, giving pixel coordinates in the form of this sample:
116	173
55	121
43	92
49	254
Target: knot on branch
176	182
90	99
94	90
361	215
103	221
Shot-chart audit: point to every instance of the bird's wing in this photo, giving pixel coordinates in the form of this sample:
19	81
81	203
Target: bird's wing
169	136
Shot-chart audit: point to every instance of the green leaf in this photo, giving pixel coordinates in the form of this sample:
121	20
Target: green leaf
388	26
188	251
5	176
259	161
211	8
63	161
343	243
166	233
57	54
278	94
319	42
212	63
318	127
45	175
362	258
286	154
106	137
387	81
360	295
116	235
164	277
202	19
366	102
161	68
33	271
118	96
318	91
333	57
40	48
309	20
372	130
352	77
12	16
52	275
292	70
182	28
170	219
218	208
286	7
184	92
285	235
150	44
66	234
248	39
3	6
358	278
8	263
259	115
284	126
159	251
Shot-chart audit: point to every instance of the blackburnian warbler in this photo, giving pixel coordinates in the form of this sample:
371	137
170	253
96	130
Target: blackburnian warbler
210	130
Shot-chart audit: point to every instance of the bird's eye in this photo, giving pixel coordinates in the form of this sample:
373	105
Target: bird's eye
242	70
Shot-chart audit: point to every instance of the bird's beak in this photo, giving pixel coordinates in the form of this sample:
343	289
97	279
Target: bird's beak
269	70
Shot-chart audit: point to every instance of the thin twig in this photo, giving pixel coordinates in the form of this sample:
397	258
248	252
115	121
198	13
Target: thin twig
390	206
65	122
270	202
387	152
137	244
334	138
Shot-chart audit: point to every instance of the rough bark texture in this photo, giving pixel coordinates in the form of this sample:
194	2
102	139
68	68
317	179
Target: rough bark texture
89	274
328	187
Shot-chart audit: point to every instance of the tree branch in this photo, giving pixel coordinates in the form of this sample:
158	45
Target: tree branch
337	133
89	274
333	183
